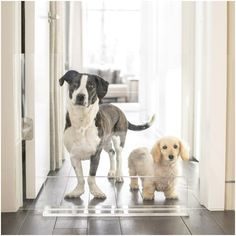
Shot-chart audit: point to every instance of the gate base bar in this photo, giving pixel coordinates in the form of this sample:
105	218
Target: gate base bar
100	211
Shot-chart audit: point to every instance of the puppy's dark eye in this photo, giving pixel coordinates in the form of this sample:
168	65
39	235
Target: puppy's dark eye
164	147
175	146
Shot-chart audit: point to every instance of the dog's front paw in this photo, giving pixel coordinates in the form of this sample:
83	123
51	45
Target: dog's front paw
111	174
134	186
94	189
119	179
97	193
148	196
77	192
171	196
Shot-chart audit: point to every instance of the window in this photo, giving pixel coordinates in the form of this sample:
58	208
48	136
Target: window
111	36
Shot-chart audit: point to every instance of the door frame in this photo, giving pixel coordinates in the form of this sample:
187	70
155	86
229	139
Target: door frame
35	173
11	145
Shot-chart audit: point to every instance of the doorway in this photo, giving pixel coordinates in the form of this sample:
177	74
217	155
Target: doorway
149	103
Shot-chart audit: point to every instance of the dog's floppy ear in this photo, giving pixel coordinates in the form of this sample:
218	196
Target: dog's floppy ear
184	150
156	152
102	87
68	77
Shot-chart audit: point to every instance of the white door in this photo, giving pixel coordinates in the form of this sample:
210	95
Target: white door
37	94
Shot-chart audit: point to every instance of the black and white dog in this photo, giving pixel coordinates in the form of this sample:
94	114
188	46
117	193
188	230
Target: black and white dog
91	127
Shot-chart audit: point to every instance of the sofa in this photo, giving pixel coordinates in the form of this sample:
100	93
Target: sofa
118	88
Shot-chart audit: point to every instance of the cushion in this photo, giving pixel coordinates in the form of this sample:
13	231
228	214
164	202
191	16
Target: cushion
117	90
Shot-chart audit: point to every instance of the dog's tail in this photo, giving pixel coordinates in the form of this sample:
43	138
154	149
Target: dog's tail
143	126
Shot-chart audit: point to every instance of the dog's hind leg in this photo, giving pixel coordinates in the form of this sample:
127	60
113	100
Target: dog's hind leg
79	189
133	179
171	193
118	144
94	189
148	189
133	173
108	148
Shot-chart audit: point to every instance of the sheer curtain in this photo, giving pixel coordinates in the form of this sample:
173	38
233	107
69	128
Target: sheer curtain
158	53
74	35
57	106
108	41
160	82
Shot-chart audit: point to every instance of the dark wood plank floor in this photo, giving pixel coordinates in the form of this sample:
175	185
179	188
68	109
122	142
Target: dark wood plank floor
29	219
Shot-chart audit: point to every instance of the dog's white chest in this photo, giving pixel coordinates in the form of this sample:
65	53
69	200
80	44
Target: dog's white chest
80	143
81	139
165	178
163	183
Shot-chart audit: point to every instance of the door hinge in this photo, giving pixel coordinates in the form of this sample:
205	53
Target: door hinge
27	128
52	17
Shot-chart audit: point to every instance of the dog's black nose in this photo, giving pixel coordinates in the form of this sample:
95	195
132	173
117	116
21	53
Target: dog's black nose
80	99
171	157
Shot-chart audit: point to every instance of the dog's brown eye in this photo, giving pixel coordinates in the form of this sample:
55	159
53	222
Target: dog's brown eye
164	147
175	146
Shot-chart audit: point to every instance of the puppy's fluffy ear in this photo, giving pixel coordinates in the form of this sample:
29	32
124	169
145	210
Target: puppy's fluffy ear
156	152
68	77
184	150
102	87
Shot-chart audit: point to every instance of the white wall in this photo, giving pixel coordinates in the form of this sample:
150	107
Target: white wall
11	181
211	60
208	74
214	103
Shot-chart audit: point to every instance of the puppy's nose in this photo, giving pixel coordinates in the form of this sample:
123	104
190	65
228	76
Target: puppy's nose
80	98
171	157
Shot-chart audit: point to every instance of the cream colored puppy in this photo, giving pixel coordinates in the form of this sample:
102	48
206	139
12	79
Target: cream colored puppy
161	163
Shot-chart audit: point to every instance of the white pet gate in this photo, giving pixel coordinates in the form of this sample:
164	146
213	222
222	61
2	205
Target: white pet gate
120	201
